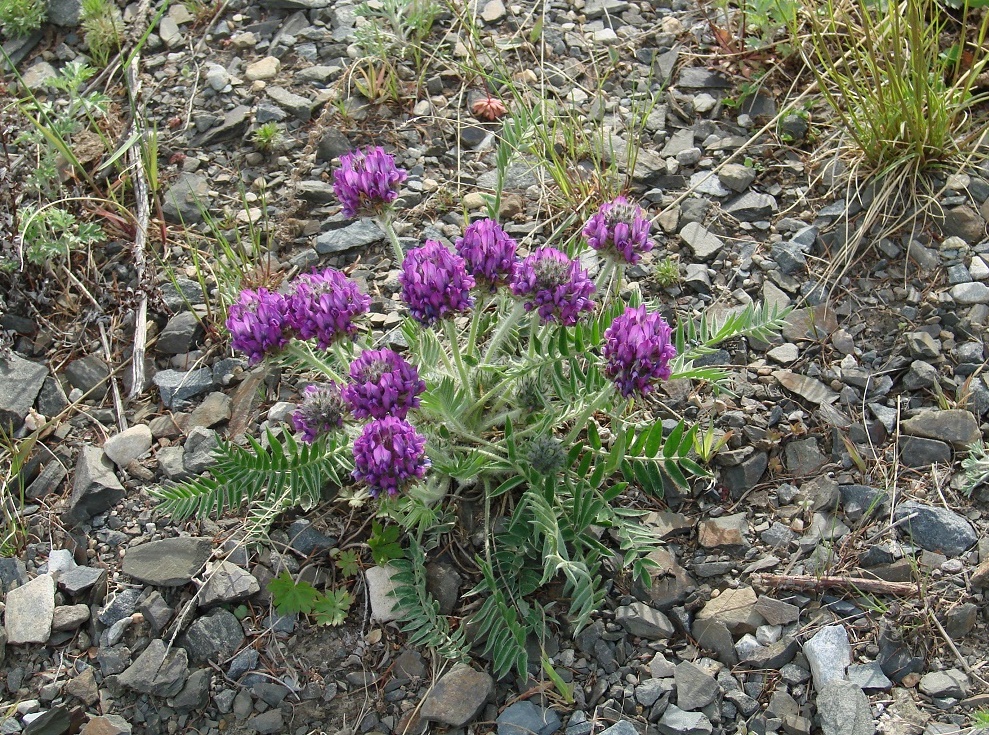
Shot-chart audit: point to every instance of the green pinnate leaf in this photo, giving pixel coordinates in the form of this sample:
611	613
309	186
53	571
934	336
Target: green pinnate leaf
332	607
348	563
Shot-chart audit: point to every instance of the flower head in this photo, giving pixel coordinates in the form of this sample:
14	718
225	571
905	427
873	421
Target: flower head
619	228
324	305
322	410
435	283
488	252
389	455
637	349
382	384
258	323
367	182
555	285
546	454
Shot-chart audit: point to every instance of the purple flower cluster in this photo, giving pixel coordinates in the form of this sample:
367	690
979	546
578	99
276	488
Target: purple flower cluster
382	384
388	455
322	411
488	252
367	182
435	283
638	348
554	285
324	305
258	323
621	229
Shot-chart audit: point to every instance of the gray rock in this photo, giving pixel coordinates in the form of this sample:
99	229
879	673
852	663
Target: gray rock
705	182
182	332
123	605
77	580
84	688
776	612
315	192
813	323
970	293
30	610
199	450
171	461
869	676
862	501
215	637
186	199
243	662
676	721
844	709
156	611
956	426
745	476
829	655
695	687
525	718
48	480
622	727
735	608
922	345
443	583
69	617
176	385
180	293
959	621
696	78
752	206
195	693
95	487
233	126
774	656
20	382
964	222
157	670
645	622
457	697
384	606
920	375
55	721
12	574
357	235
215	409
918	452
736	176
267	723
52	399
332	145
670	585
296	104
789	257
703	243
128	445
952	683
306	540
804	457
936	529
64	13
227	583
680	141
723	531
89	374
170	562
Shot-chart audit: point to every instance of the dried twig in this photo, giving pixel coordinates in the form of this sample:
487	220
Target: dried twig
140	236
806	582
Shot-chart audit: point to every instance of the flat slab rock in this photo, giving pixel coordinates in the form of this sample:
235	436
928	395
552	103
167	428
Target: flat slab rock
457	697
170	562
30	609
936	529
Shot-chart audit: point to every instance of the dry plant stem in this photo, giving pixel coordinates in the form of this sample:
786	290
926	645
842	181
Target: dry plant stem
118	403
805	582
140	237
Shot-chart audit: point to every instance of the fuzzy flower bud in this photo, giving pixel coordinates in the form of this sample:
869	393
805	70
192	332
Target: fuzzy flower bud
638	349
488	252
620	229
322	411
435	283
389	455
324	305
258	323
367	182
382	384
547	455
554	285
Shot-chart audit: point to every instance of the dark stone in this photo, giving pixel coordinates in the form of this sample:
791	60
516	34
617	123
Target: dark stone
20	382
745	476
234	126
306	540
89	373
55	721
180	335
214	637
936	529
918	452
332	145
95	488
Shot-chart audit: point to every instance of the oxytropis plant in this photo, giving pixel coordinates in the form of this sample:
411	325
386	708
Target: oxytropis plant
515	402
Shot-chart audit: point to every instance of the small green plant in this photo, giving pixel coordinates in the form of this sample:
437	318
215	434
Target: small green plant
348	563
980	719
20	18
103	25
384	544
14	454
766	20
52	232
708	443
291	597
976	467
667	272
200	10
267	136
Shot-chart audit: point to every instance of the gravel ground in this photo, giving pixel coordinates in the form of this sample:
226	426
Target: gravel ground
843	458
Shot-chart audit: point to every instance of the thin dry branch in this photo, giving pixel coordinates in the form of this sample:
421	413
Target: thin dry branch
141	233
806	583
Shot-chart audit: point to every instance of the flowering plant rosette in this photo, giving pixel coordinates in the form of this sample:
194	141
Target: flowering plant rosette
522	399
